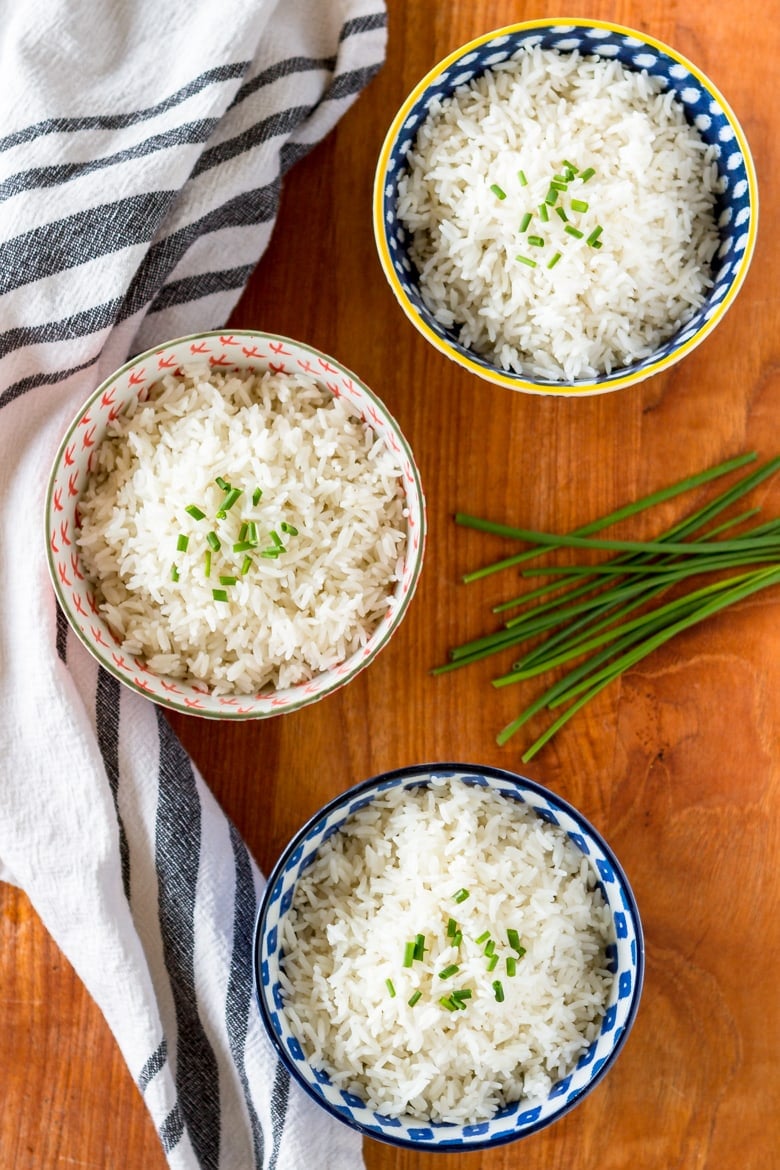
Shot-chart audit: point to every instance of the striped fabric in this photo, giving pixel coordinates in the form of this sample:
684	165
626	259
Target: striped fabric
142	148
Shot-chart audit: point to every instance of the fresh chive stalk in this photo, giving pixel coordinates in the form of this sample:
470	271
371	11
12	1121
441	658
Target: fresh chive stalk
460	895
195	512
408	954
182	542
544	213
524	222
527	261
574	231
219	594
174	573
522	178
536	241
579	205
419	947
498	191
390	988
498	990
588	173
414	998
213	541
554	260
449	971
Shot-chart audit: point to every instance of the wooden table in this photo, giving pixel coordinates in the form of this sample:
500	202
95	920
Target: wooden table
677	763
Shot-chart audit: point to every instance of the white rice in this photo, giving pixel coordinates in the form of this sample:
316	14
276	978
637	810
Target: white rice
653	193
389	874
321	470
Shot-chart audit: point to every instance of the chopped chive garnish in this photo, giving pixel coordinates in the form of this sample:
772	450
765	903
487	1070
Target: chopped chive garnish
174	573
482	938
244	545
498	990
228	502
414	998
551	197
597	244
526	260
449	971
490	948
448	1003
256	496
213	541
461	993
579	205
290	529
497	191
408	954
554	260
195	512
246	566
270	552
558	185
588	173
522	178
544	214
594	235
524	222
207	563
452	926
568	165
219	594
573	231
513	938
492	963
569	175
457	938
228	580
460	895
536	241
252	533
276	538
559	211
390	988
243	531
419	946
511	965
559	179
182	542
222	483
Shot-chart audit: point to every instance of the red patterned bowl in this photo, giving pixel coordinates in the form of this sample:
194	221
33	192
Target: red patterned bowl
72	467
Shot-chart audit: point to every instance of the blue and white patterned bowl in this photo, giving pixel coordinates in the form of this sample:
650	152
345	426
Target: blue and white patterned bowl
626	953
705	108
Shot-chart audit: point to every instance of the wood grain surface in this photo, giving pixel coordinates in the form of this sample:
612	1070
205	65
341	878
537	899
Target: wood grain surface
677	763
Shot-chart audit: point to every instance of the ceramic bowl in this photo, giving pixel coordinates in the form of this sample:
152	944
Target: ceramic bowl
75	592
626	957
704	106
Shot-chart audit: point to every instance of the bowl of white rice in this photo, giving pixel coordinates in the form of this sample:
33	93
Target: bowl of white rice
448	956
565	208
235	524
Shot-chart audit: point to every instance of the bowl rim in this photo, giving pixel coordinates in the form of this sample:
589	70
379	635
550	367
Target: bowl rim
517	382
168	702
411	772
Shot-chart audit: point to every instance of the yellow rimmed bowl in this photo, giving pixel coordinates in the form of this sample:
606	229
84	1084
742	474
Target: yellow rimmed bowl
76	593
705	108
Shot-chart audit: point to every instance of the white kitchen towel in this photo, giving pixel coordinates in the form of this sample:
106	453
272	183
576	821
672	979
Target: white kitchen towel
142	146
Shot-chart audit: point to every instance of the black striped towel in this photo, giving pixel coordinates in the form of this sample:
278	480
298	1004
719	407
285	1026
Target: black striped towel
141	150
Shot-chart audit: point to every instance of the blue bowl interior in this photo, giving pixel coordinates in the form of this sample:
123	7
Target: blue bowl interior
703	109
522	1118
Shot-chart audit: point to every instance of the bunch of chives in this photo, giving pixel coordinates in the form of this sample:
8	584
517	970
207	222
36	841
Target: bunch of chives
589	612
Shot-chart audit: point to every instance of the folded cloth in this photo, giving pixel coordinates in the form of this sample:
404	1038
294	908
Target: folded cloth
142	147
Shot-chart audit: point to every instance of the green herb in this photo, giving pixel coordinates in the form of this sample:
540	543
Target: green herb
195	512
569	166
244	545
390	988
579	205
554	260
498	990
213	541
559	184
408	954
559	211
588	173
511	965
174	573
222	483
526	260
460	895
522	178
219	594
544	213
277	540
462	993
252	533
490	947
449	971
182	542
207	563
524	222
452	926
257	496
573	231
536	241
414	998
270	553
497	191
228	580
419	947
513	938
457	938
228	502
482	938
447	1002
243	530
246	566
492	962
593	238
290	529
551	198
